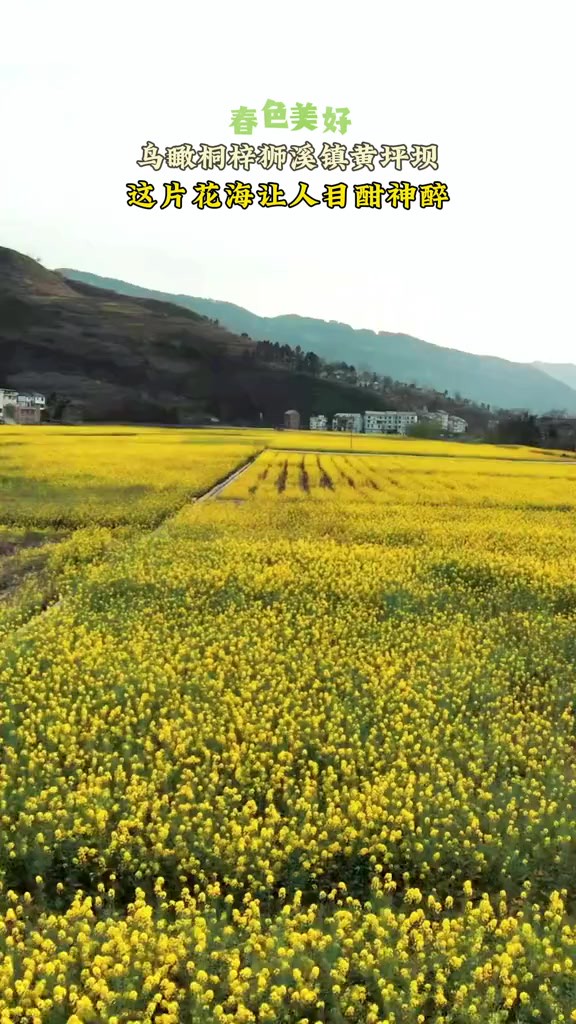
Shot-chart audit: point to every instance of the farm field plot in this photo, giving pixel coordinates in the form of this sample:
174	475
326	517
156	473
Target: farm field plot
82	476
307	757
402	479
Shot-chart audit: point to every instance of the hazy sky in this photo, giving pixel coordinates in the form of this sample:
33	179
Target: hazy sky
84	86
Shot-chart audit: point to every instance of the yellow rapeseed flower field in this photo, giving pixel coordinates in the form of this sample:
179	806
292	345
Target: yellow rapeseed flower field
82	476
301	752
400	479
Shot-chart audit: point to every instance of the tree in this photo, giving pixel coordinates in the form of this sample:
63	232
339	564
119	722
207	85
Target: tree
56	405
311	363
522	428
425	428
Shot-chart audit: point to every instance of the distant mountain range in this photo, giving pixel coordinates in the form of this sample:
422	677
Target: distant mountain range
501	383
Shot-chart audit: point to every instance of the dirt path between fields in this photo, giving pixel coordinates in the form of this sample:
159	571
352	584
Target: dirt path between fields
217	488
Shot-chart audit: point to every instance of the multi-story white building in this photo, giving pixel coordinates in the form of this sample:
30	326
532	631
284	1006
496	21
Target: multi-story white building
440	417
351	422
318	423
389	422
456	425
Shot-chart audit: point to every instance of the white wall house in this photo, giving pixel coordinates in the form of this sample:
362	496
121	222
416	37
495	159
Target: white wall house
440	417
390	422
26	405
352	422
456	425
318	423
7	397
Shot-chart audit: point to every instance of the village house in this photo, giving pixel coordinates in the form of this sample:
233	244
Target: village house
558	431
21	406
292	419
440	416
318	423
390	422
352	422
448	423
457	425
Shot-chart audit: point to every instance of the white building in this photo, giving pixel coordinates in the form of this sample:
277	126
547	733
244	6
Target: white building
456	425
26	406
7	397
390	422
318	423
440	417
348	421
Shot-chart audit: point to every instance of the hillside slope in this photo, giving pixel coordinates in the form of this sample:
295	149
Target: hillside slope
565	372
140	359
499	382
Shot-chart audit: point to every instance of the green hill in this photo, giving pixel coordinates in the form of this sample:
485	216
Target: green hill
142	360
